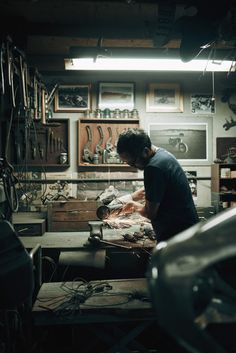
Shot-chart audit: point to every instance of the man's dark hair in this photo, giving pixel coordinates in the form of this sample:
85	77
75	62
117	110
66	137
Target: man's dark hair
133	142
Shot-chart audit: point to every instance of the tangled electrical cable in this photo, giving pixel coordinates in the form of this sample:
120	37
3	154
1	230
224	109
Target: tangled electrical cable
79	292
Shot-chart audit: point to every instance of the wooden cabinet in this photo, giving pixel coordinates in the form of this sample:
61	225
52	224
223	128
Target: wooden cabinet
71	216
97	141
223	185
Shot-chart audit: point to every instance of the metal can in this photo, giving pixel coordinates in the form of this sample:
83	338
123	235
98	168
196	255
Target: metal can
95	158
63	158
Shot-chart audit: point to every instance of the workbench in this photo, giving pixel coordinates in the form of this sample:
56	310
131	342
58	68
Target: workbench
67	248
77	240
99	312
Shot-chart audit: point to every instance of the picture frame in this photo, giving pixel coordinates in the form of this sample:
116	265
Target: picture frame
202	104
72	98
226	149
116	95
190	141
164	98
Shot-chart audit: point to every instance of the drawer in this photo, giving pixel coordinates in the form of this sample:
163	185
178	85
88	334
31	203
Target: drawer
74	216
35	227
69	226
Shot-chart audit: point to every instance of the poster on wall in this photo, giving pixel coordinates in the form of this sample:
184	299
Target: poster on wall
202	104
189	142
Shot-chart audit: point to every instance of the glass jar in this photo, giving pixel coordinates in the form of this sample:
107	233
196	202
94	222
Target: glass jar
106	113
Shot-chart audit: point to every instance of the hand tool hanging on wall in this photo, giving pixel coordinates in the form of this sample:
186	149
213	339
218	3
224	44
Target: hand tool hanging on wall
41	151
17	143
58	144
54	144
109	145
117	136
34	96
23	73
10	71
87	153
44	107
51	140
33	149
99	148
2	56
39	101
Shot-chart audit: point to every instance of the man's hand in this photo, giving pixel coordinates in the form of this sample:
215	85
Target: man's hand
131	207
138	195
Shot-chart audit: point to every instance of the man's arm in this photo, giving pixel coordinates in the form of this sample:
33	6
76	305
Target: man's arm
150	210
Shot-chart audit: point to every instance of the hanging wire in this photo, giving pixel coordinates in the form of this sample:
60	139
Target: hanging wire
213	86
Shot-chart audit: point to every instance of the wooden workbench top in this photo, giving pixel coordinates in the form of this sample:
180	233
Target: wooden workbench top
101	301
78	240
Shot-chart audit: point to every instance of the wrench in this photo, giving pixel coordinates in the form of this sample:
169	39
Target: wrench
98	148
87	153
109	145
117	136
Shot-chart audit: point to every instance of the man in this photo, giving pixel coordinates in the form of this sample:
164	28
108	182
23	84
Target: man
168	198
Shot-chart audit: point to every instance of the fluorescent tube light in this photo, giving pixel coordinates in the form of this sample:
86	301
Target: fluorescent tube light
134	64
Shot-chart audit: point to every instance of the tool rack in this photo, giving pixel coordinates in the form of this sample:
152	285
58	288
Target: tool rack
111	128
40	145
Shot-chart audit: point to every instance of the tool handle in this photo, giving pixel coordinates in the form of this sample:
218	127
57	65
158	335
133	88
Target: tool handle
114	244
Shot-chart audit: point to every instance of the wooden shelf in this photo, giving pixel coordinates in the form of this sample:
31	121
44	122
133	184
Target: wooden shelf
111	120
217	182
110	130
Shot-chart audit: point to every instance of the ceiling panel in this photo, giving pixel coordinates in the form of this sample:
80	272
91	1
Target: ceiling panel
48	28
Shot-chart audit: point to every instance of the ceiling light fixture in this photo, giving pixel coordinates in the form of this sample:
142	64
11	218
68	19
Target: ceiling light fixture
142	59
128	64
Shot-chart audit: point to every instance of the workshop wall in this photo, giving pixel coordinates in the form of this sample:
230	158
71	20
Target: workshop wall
190	83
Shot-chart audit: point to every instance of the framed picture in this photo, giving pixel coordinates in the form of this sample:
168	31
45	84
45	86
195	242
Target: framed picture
164	97
202	104
72	98
226	149
190	141
116	95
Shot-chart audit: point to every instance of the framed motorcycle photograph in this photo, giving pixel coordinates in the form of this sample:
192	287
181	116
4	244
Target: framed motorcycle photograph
116	95
202	104
190	141
164	97
72	98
